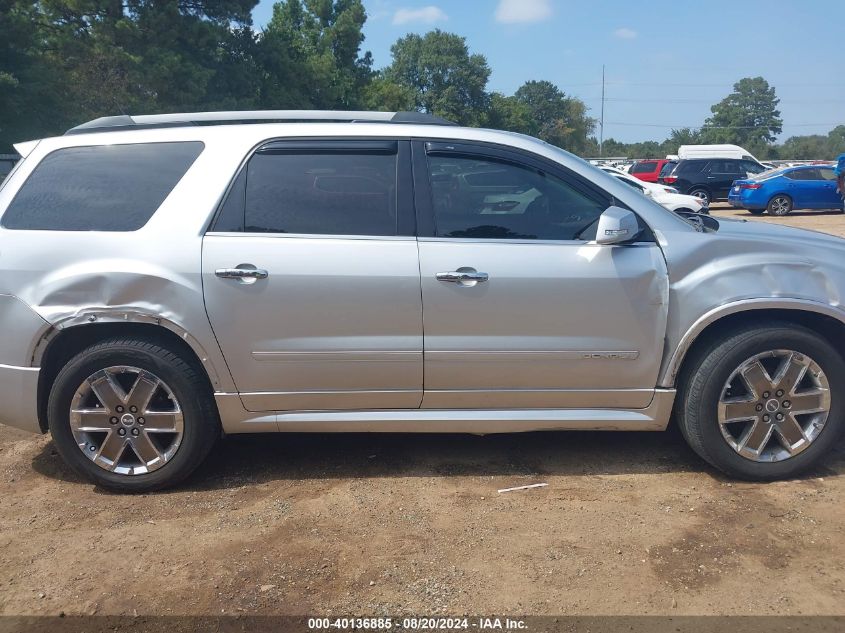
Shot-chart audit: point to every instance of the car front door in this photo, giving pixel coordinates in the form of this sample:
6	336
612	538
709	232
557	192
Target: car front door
521	309
829	197
311	277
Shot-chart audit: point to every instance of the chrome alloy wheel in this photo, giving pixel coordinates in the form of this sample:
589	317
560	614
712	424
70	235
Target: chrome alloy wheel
774	405
126	420
780	205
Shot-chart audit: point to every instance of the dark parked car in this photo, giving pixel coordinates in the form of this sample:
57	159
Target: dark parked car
710	178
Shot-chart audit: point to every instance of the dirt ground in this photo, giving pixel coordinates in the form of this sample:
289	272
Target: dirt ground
343	525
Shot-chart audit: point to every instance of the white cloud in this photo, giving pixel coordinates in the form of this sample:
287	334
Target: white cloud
426	15
625	33
515	11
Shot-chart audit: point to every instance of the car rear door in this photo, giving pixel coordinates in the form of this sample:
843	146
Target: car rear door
520	309
311	277
720	175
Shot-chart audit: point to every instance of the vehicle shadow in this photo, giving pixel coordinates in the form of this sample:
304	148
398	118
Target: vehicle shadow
799	214
254	459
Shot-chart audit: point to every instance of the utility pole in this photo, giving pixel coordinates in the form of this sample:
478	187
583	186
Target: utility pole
601	125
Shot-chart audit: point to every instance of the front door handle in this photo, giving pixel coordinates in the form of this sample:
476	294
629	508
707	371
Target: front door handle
242	273
463	276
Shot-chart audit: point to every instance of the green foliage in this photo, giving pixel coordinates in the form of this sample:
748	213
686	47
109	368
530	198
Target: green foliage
30	99
67	61
748	116
508	113
381	94
445	78
310	55
555	118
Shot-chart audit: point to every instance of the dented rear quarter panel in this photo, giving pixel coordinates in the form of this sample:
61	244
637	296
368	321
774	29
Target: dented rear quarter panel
152	275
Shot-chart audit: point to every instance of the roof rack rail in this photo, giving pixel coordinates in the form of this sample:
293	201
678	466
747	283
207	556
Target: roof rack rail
151	121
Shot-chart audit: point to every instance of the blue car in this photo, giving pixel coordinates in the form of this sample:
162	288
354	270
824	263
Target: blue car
779	191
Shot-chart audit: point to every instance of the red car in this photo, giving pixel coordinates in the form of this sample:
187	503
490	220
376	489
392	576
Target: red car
648	170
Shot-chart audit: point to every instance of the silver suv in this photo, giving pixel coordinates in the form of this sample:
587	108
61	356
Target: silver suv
165	279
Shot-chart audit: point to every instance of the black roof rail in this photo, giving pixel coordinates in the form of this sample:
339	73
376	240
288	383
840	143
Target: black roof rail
152	121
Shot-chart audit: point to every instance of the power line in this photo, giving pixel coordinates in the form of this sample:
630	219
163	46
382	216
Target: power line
720	127
676	100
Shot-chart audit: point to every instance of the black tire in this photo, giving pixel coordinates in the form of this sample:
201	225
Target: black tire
779	205
191	389
756	211
701	388
702	193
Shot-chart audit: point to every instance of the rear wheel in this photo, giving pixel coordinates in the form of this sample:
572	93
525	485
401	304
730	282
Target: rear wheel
780	205
764	403
132	415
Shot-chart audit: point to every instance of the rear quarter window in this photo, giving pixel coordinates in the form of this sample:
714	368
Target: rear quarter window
100	188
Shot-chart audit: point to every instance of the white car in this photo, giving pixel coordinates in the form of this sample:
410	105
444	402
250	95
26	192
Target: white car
663	195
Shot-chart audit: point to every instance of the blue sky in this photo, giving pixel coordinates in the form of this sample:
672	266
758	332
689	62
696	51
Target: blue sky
666	62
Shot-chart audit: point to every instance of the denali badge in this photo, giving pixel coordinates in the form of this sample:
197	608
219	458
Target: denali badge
610	355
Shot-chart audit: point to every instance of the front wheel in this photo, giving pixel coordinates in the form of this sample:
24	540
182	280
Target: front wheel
765	402
780	205
132	415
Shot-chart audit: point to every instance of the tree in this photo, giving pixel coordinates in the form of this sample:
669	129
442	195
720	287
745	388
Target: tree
815	146
444	77
385	95
31	88
748	116
310	52
836	141
508	113
555	117
682	136
73	60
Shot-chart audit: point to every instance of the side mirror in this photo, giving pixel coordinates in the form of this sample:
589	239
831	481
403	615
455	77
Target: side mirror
617	226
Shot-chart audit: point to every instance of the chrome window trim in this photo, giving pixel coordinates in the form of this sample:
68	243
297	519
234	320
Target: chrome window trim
316	236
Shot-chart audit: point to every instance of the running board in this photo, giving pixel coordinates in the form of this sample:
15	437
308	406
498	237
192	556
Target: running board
655	417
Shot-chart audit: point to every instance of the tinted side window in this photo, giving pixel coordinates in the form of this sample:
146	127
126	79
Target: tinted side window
320	193
800	174
690	166
827	174
724	167
643	167
100	188
485	198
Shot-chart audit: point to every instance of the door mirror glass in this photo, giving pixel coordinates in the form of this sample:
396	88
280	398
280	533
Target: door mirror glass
617	226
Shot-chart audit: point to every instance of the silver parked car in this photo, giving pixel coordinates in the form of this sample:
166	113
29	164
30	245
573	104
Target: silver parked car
165	279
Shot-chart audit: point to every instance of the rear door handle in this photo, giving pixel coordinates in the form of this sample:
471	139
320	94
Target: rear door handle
462	276
241	273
